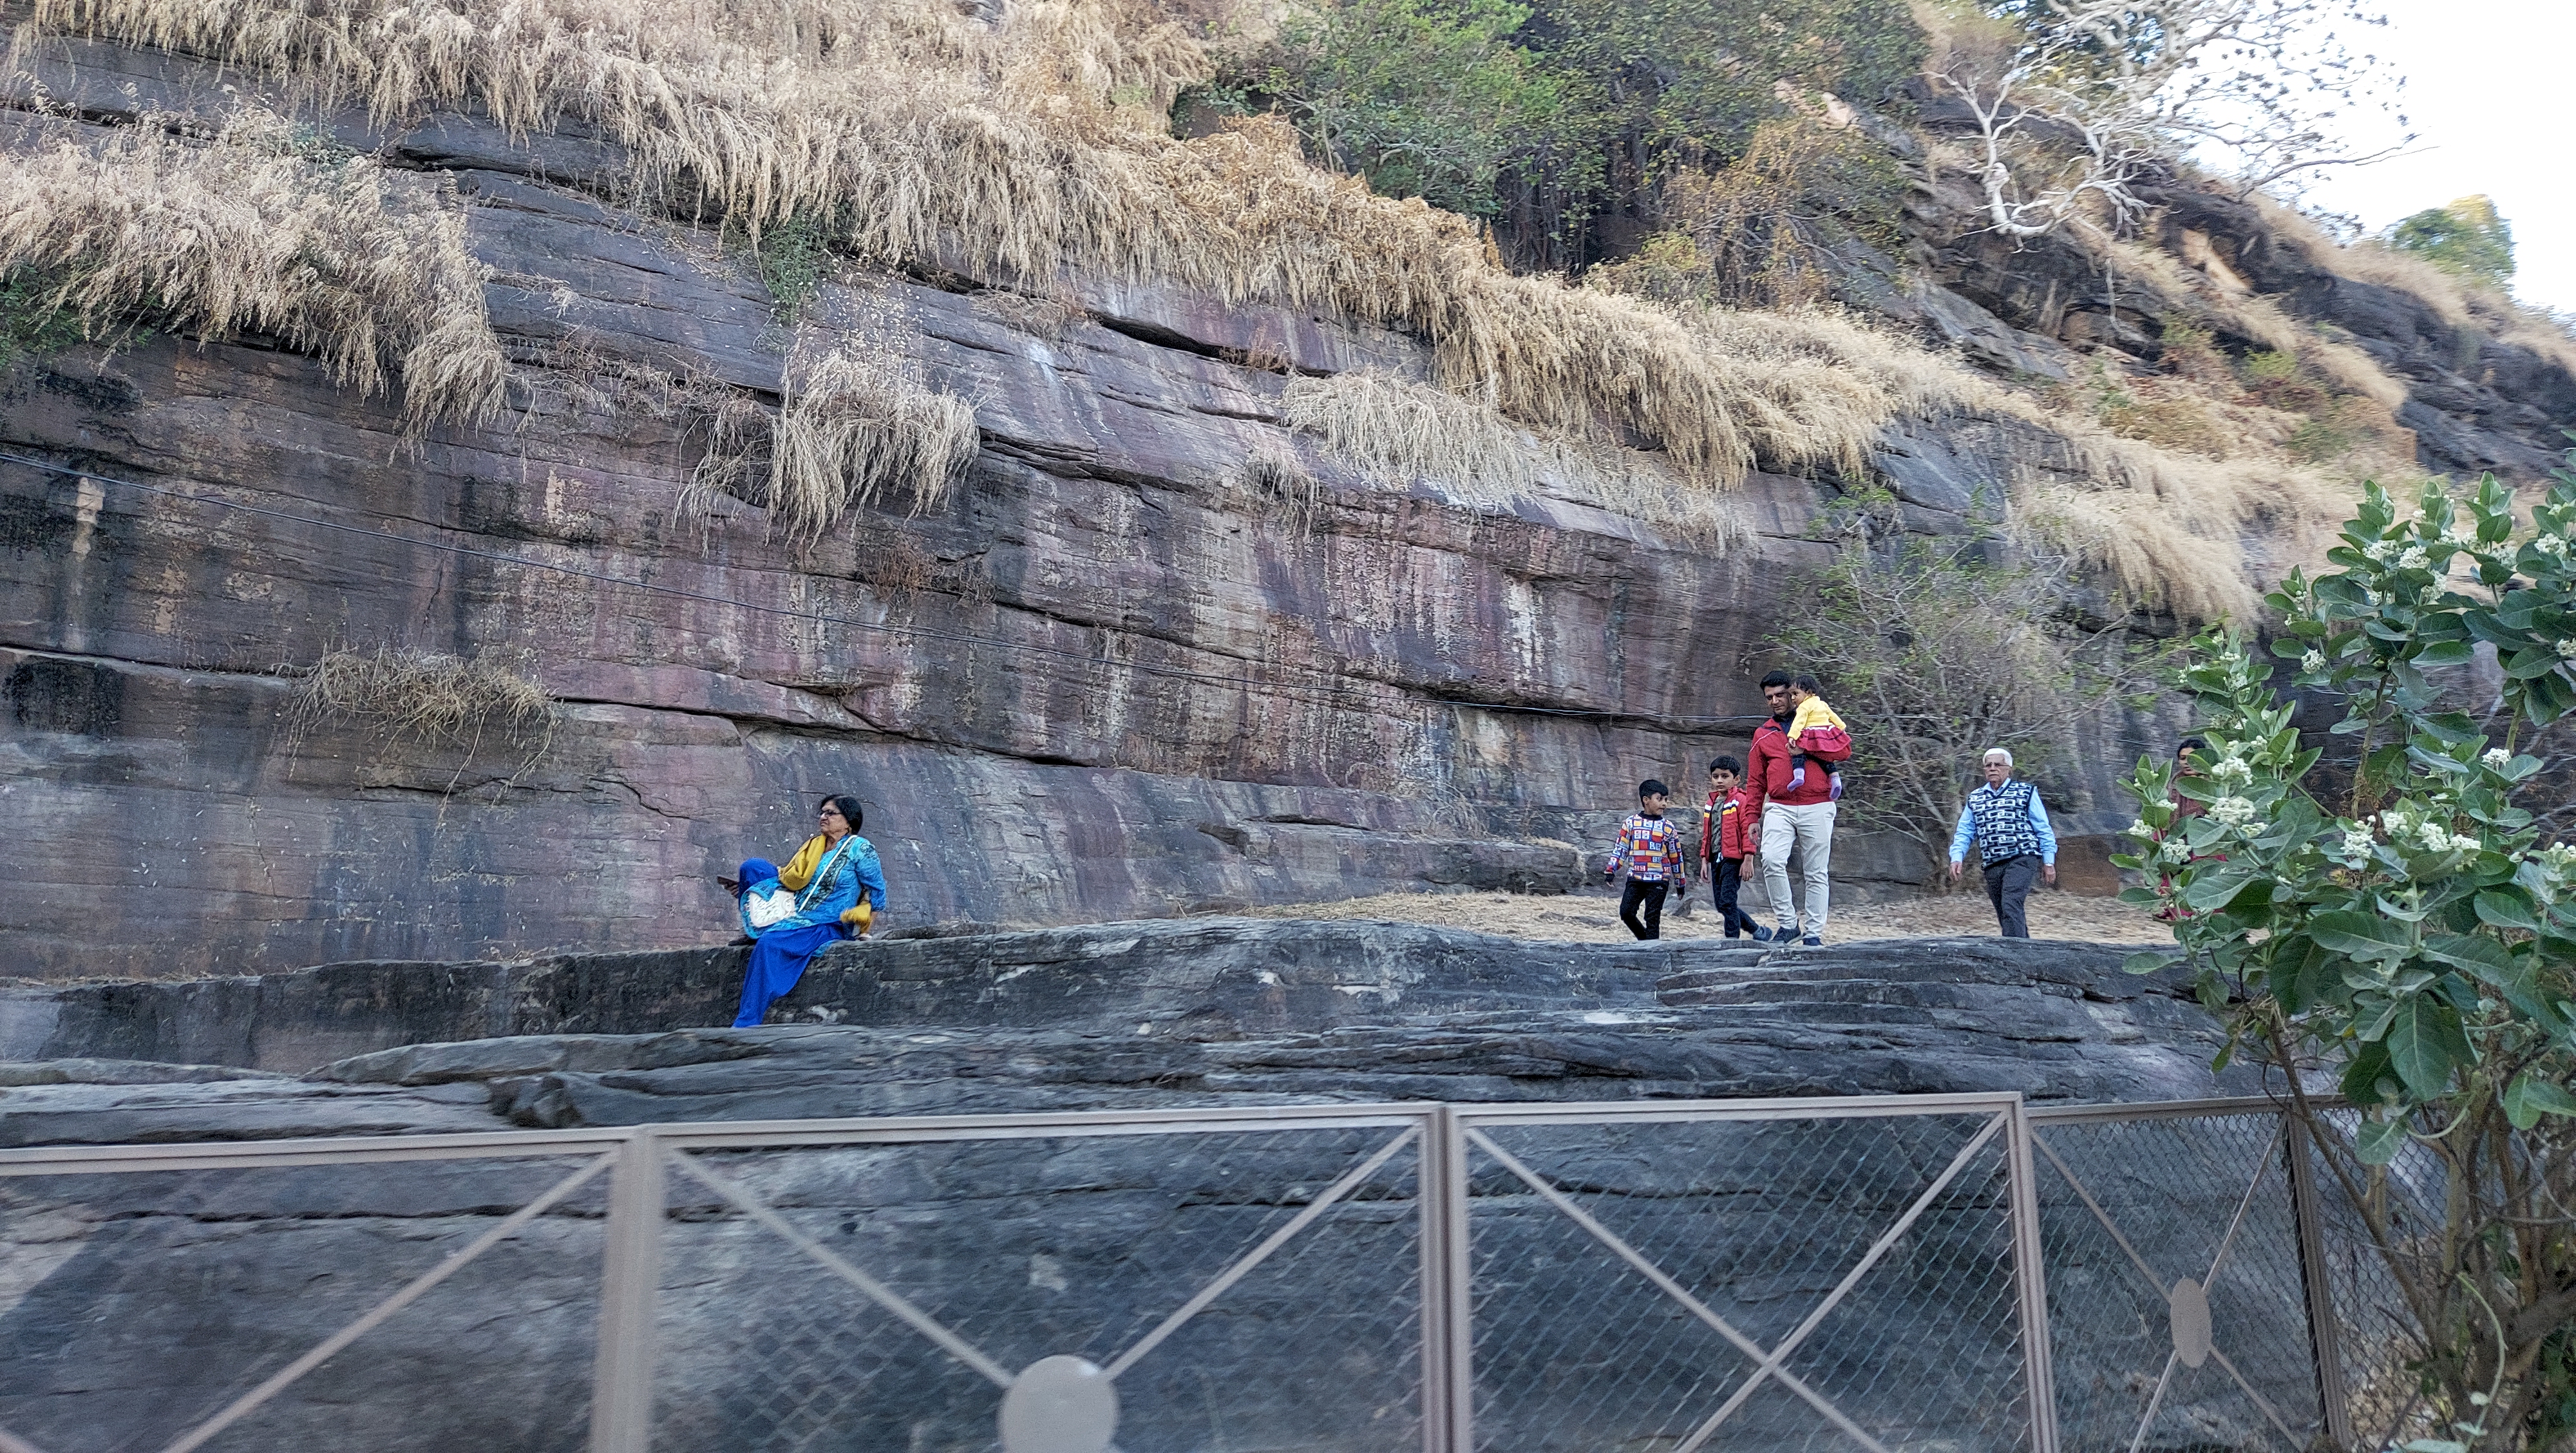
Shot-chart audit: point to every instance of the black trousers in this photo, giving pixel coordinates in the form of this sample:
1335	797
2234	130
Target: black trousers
1727	884
2008	884
1648	898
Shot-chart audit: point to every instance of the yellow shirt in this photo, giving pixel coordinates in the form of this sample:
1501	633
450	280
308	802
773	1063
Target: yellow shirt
1812	713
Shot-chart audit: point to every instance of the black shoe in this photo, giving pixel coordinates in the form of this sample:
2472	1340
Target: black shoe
1812	941
1763	935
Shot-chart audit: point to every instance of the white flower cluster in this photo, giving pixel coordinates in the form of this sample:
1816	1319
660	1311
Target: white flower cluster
2175	850
2357	843
2430	833
2231	768
2495	757
2372	597
2380	550
2138	828
2313	662
2429	595
2550	543
2566	648
2232	811
2415	559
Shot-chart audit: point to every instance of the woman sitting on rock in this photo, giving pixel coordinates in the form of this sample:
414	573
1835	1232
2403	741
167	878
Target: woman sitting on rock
839	889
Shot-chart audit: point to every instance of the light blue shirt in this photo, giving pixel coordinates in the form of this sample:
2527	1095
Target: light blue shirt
849	869
2038	826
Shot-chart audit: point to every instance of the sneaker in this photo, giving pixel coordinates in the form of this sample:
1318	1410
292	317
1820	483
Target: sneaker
1765	935
1812	941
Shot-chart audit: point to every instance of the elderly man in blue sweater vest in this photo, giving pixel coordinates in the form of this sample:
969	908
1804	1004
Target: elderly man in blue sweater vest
2013	839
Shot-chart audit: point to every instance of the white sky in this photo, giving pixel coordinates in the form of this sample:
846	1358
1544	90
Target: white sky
2487	92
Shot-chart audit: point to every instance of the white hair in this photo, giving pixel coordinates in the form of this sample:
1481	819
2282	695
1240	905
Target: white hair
1998	752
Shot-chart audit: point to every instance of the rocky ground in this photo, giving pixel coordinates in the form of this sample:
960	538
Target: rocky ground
132	1305
1593	916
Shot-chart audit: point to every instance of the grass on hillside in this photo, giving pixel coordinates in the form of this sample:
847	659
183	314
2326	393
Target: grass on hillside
1014	150
237	233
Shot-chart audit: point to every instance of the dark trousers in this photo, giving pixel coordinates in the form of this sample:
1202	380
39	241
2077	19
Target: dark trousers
1648	897
1727	883
2008	884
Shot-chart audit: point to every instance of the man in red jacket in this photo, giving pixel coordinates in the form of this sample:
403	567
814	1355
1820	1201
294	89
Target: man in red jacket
1801	820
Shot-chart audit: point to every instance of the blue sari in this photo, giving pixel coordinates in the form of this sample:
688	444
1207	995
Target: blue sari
778	958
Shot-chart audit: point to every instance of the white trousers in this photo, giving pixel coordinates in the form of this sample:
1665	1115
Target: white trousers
1809	830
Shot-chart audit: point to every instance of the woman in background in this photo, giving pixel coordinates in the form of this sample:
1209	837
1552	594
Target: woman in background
839	888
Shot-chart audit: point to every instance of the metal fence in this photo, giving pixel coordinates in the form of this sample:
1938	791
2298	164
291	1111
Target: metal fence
1955	1272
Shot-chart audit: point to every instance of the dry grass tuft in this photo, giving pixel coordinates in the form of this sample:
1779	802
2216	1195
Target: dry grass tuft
1400	431
1280	485
855	428
436	700
229	234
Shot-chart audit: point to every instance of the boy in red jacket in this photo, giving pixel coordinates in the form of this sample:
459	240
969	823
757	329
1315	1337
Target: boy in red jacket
1730	830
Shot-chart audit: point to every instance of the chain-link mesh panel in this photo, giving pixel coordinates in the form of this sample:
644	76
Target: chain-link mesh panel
1760	1221
1028	1248
2376	1332
135	1306
2200	1198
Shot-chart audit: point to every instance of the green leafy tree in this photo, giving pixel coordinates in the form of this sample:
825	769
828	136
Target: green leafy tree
2407	935
1425	98
2467	239
1562	121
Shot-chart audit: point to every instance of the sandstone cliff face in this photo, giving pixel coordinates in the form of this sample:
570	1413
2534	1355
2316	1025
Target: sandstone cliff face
1103	678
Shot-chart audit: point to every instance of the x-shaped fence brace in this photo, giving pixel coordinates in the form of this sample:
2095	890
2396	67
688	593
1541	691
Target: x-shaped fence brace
751	1206
2169	1294
1768	1363
412	1291
973	1357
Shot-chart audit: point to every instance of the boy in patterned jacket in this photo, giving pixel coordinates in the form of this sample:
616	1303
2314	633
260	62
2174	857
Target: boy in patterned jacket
1651	850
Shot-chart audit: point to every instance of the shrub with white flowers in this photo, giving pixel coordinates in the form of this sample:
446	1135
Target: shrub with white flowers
2406	939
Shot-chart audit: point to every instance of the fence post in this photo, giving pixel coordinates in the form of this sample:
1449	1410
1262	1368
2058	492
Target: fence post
2031	1281
2315	1277
1448	1393
621	1398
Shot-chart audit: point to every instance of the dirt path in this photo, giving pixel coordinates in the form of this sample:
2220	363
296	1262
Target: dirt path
1593	917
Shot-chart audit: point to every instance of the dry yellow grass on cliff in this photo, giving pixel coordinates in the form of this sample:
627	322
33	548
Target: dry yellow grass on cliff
427	698
1398	430
231	233
918	134
855	427
2456	302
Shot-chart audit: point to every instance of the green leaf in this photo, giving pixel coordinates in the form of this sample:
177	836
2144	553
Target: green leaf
2506	910
2360	934
2215	891
2420	1046
2482	956
2445	653
2528	1098
2148	962
2363	1072
2531	661
2380	1140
